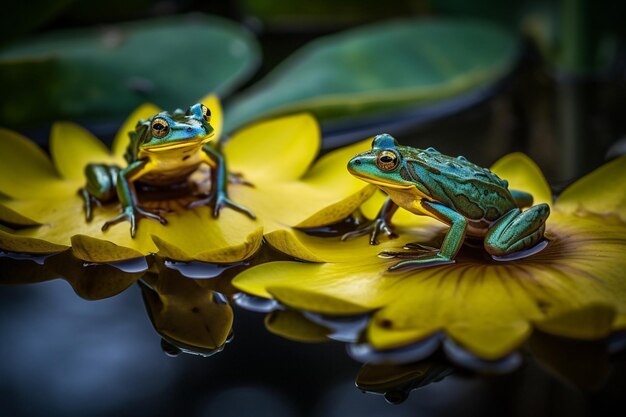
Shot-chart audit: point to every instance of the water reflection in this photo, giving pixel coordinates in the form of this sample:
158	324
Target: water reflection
394	373
195	316
188	313
395	382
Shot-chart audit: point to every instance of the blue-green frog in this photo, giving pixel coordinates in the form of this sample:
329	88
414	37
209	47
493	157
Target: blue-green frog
472	200
163	152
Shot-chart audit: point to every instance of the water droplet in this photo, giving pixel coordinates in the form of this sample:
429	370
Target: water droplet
256	304
364	352
468	360
130	266
219	298
169	349
343	329
38	259
396	397
199	269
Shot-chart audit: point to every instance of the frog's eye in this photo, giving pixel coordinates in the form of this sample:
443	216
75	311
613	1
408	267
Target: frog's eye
387	160
160	127
206	113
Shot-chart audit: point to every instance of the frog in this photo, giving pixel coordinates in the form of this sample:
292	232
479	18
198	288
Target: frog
472	200
163	152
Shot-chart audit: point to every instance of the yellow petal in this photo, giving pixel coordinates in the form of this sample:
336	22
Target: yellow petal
11	217
524	175
293	326
230	238
217	115
73	147
490	341
121	140
25	171
383	338
234	252
593	321
335	212
16	243
98	250
316	302
278	149
326	194
323	249
600	192
330	174
339	289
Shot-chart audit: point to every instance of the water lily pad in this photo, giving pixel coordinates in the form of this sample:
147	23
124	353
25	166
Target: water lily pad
379	68
103	73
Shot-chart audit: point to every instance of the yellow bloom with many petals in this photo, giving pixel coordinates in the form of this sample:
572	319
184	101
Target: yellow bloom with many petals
41	211
575	287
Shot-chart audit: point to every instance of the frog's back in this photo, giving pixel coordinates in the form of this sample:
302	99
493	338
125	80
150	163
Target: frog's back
475	192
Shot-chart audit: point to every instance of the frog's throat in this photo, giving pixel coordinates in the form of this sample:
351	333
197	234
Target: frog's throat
178	144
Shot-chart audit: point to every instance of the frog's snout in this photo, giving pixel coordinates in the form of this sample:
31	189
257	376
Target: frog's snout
354	163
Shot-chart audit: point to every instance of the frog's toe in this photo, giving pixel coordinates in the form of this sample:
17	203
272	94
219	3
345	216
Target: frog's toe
223	201
374	229
419	263
117	219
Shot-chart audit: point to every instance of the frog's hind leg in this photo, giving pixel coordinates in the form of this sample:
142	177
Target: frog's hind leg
517	231
100	186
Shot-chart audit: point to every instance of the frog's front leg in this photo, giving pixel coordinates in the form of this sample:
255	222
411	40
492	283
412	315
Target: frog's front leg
517	231
128	198
381	223
99	187
451	243
218	197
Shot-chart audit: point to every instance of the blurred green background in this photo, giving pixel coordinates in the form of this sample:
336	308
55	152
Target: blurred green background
544	77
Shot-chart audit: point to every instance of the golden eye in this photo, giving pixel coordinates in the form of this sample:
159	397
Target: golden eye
206	113
160	127
387	160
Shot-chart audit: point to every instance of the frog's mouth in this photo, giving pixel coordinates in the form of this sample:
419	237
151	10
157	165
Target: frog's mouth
380	183
193	142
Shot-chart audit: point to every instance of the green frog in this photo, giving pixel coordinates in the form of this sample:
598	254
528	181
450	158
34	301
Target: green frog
472	200
163	152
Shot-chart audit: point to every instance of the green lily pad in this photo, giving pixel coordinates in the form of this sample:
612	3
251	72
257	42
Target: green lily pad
379	68
103	73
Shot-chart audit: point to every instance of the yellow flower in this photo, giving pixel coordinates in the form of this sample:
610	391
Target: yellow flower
41	212
575	287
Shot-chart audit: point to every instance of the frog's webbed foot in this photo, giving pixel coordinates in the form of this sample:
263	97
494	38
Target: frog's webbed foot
218	201
419	262
131	214
238	178
373	228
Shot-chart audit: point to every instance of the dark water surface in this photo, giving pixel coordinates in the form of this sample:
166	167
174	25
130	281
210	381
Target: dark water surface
64	356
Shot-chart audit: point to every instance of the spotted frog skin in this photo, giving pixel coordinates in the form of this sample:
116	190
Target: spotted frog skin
163	152
472	200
